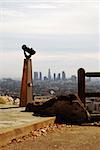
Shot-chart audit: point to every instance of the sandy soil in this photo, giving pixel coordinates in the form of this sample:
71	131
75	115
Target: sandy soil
61	138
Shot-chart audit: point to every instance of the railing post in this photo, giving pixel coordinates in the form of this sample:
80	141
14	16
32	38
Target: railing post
81	85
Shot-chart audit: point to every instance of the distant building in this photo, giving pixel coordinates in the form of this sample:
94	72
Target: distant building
89	79
35	75
58	76
54	76
45	78
49	74
40	76
73	78
63	75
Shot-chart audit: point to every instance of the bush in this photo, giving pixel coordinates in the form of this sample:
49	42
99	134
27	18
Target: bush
6	100
2	100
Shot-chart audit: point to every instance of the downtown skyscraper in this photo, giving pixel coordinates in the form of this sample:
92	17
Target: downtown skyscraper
49	74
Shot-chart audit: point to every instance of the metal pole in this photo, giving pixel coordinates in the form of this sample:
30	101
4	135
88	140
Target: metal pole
26	85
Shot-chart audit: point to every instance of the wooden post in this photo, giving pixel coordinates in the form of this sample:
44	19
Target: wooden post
26	95
81	85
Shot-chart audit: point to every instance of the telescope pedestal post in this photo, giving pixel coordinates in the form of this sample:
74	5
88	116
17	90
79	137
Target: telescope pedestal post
26	85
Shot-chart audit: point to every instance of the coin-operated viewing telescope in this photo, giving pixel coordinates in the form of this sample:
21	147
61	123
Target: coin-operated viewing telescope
28	52
26	93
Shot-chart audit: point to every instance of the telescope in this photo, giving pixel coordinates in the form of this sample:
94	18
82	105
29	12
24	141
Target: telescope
30	51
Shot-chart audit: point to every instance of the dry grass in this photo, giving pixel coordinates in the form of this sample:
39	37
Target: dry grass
6	100
2	100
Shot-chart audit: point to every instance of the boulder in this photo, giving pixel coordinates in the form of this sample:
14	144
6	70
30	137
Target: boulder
67	108
6	100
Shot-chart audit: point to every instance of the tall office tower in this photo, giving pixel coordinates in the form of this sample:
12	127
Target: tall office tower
63	75
73	78
35	75
58	76
49	74
40	75
54	76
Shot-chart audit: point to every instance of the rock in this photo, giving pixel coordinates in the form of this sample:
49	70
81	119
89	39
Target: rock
16	101
6	100
67	108
43	130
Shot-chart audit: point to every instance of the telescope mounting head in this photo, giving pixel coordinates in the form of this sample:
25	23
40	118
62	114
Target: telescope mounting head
28	52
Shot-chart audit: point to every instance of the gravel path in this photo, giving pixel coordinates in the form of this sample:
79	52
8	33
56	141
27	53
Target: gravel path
59	137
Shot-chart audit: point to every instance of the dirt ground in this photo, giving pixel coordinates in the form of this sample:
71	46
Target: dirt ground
64	137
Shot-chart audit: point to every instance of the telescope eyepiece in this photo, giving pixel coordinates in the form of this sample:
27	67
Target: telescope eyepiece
24	47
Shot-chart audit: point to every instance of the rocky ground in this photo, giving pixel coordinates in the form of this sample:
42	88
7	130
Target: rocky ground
59	137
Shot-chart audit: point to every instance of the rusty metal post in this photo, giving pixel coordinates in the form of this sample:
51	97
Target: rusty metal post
26	95
81	85
26	85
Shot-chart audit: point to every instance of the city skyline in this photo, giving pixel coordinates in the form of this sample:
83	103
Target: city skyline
52	76
65	35
49	75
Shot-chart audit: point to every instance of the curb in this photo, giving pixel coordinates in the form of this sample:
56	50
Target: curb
7	137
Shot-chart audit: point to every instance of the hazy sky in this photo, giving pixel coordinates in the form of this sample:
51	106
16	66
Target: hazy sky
64	33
